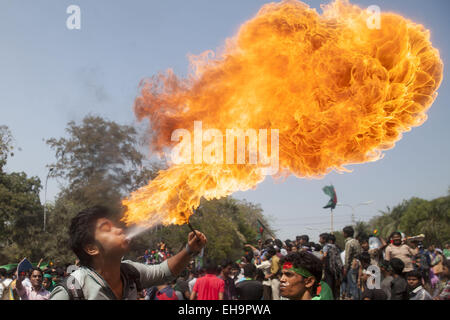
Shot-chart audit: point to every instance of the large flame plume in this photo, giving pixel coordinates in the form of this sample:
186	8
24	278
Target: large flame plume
338	91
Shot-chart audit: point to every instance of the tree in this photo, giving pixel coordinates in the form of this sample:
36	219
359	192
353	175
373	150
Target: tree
100	161
416	216
6	144
21	216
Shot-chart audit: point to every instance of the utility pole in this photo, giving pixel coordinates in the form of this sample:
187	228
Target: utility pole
45	198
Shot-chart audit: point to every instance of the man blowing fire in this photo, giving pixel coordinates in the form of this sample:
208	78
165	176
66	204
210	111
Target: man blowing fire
99	241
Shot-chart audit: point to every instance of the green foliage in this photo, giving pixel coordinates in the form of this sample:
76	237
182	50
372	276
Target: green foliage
413	217
21	217
6	144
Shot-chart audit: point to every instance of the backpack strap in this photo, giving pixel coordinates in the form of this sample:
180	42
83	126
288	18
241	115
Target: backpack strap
132	274
75	292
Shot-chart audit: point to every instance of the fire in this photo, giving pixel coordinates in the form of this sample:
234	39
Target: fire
338	91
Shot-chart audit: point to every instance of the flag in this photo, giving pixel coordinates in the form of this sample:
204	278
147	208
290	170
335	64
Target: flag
329	191
260	229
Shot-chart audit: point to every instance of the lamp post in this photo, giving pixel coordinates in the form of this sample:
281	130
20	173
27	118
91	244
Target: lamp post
354	207
45	197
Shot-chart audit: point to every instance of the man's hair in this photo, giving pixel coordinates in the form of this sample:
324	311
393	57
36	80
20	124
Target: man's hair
364	257
271	251
415	274
211	267
249	270
2	272
36	269
304	237
349	231
397	265
306	261
332	238
374	294
82	231
325	236
227	263
395	233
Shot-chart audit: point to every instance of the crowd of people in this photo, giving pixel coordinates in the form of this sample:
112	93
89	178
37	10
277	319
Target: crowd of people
366	268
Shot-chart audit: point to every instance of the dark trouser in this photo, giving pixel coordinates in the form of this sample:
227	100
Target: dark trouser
267	292
332	283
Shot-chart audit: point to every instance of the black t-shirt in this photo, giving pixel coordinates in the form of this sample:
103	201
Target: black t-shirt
399	289
249	290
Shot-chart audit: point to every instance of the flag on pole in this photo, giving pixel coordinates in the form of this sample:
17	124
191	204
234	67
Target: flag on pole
331	192
260	229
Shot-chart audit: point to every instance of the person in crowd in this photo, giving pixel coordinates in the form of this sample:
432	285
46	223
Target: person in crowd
182	284
230	288
415	288
363	273
398	249
351	265
99	241
446	251
333	265
249	288
275	272
209	287
4	282
195	276
300	280
445	293
163	292
36	291
386	274
374	294
47	282
399	285
265	268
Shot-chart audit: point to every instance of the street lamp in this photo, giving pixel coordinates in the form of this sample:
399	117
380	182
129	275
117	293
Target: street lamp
354	207
45	197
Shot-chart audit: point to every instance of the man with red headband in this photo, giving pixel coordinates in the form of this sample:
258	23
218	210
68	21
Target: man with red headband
301	278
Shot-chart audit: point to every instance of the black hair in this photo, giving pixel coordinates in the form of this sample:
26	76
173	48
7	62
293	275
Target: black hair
325	236
331	238
397	265
249	270
36	269
82	231
2	272
227	263
278	243
306	261
374	294
271	251
304	237
349	231
395	233
211	267
364	257
414	273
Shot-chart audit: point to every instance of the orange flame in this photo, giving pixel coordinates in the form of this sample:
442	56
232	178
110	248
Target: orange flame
338	92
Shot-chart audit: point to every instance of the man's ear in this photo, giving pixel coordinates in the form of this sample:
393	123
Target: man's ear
309	282
91	249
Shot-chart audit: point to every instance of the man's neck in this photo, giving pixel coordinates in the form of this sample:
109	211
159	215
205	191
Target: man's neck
37	288
109	269
306	296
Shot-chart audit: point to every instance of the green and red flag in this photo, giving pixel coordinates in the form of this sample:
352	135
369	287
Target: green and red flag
331	192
